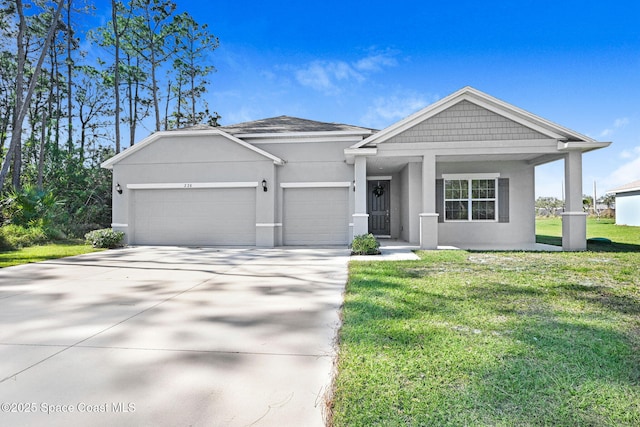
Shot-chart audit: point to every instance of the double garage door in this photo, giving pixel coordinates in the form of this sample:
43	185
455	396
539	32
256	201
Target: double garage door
209	217
227	216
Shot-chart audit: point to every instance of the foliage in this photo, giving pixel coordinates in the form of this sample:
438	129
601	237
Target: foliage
30	206
365	244
501	338
43	253
67	100
105	238
548	206
609	200
17	236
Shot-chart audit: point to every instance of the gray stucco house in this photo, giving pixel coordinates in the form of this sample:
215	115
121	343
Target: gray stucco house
628	204
460	173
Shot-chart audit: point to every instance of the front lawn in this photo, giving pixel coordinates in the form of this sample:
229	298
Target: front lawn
491	339
43	252
624	237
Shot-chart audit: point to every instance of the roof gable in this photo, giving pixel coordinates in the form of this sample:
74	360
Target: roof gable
470	107
466	121
108	164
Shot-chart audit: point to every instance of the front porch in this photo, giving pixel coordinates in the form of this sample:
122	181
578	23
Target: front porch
461	173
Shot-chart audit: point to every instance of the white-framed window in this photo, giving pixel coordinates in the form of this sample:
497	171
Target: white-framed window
471	198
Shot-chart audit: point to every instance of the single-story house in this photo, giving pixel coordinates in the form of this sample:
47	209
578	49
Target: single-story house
627	204
459	172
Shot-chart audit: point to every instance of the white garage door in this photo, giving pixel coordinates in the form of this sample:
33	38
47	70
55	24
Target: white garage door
220	216
316	216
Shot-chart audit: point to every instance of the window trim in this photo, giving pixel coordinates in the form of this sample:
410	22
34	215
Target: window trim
470	178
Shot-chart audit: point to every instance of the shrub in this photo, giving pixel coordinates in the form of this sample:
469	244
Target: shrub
31	207
365	244
16	236
105	238
4	243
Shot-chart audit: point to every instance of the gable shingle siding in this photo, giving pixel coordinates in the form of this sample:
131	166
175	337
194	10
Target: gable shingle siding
466	121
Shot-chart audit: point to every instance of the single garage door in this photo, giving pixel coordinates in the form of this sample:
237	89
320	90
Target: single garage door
316	216
220	216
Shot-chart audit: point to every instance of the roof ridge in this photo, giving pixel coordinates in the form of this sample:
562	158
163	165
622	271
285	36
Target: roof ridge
291	124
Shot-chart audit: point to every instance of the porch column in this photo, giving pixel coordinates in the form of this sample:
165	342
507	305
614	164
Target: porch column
429	217
360	216
574	219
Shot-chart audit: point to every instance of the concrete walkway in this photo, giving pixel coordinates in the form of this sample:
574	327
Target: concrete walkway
398	250
170	336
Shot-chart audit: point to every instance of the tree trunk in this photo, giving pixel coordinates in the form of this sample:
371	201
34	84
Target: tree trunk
116	72
69	80
154	89
42	148
21	104
166	107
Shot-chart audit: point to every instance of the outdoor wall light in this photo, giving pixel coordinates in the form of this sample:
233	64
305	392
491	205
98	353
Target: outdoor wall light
264	185
118	188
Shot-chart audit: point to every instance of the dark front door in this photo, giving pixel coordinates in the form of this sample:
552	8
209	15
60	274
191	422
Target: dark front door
378	200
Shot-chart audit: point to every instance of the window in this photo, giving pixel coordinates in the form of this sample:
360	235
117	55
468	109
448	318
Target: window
470	199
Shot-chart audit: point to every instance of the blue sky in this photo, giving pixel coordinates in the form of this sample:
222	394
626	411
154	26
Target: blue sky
576	63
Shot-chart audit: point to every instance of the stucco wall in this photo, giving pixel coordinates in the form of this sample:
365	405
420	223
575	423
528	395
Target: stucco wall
628	208
309	162
410	179
189	160
520	230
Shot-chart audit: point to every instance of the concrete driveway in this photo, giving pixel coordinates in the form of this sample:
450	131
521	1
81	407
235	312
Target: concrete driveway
152	336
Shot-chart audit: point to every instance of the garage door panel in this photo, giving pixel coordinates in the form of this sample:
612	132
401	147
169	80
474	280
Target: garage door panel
195	217
316	216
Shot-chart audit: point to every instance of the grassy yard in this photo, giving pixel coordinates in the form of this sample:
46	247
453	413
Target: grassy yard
492	339
43	252
624	237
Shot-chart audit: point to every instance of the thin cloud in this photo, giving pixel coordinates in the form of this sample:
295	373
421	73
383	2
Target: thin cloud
629	154
330	76
617	124
376	62
386	110
627	172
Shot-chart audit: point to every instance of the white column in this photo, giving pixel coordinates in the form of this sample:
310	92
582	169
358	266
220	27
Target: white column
574	219
429	217
360	216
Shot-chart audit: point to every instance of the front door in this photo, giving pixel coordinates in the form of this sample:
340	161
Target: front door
378	201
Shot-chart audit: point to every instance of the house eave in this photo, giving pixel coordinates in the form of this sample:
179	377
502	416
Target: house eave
626	190
583	146
351	153
108	164
543	126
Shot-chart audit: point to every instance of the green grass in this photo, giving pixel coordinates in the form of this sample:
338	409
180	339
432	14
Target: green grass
491	339
624	237
43	252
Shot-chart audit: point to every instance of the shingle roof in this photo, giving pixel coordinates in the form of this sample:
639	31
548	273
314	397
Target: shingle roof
632	186
286	124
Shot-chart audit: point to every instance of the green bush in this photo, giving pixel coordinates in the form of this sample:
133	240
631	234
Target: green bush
4	243
31	207
16	236
365	244
105	238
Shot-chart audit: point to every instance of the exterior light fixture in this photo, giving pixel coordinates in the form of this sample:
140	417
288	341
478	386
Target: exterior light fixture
118	188
264	185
